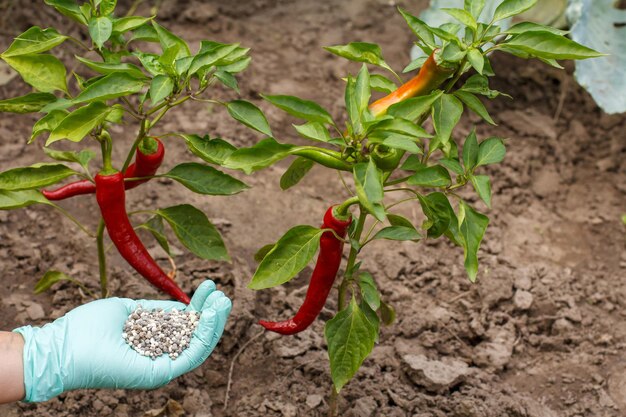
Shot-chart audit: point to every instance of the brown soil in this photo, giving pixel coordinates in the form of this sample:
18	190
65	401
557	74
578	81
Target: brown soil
555	239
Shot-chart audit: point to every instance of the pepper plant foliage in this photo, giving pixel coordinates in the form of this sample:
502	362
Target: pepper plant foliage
388	153
117	80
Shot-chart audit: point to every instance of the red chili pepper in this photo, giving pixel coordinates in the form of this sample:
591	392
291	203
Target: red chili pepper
111	197
322	280
429	77
145	165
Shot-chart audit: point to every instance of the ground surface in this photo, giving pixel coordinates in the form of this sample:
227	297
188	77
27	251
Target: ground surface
555	240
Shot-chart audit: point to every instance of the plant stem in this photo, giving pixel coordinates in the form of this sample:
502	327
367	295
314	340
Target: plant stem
342	209
133	149
73	219
102	262
347	277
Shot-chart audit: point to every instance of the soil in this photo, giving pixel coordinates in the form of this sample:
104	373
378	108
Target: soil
543	332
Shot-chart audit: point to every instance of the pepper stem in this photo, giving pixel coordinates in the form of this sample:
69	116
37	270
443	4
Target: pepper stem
341	211
102	262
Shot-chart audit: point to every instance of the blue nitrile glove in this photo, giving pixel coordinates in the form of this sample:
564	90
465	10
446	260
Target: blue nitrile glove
85	349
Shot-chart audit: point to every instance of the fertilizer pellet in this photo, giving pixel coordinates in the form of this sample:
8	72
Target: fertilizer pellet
156	332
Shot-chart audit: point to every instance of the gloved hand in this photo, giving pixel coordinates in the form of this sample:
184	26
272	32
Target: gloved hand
85	349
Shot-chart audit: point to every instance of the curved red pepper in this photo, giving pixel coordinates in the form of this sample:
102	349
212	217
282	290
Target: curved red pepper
111	197
145	165
322	280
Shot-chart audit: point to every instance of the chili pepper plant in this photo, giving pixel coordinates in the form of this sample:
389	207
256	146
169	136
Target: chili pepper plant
386	158
127	69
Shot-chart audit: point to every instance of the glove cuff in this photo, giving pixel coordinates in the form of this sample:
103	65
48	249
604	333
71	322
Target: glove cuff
43	375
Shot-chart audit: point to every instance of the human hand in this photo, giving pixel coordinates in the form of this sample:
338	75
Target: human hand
85	349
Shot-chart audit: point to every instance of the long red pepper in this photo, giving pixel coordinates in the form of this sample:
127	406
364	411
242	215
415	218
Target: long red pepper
111	197
145	165
429	77
322	280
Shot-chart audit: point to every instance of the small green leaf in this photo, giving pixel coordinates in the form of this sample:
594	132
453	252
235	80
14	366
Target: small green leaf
195	232
107	7
412	163
441	217
453	165
205	60
369	187
68	8
288	257
452	52
420	29
250	115
470	151
510	8
157	229
387	313
100	30
462	16
382	84
474	103
259	156
360	52
314	131
111	86
42	71
168	39
369	290
35	40
82	157
550	46
144	33
79	123
435	176
398	233
304	109
228	80
126	23
296	171
213	151
415	107
523	27
30	103
350	337
362	89
482	185
160	88
475	7
352	107
491	151
262	253
476	60
447	112
397	220
415	64
108	68
47	123
204	179
150	62
479	84
35	176
49	279
10	200
472	230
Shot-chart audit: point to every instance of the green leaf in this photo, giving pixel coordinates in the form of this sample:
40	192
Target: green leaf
100	30
472	229
107	7
400	126
387	313
350	337
382	84
10	200
369	290
228	80
314	131
470	151
352	108
397	220
160	88
49	279
144	33
68	8
452	165
462	16
213	151
362	89
474	103
548	45
168	39
447	113
79	123
369	187
398	233
479	84
304	109
435	176
523	27
415	107
412	163
369	53
259	156
42	71
111	86
126	23
415	64
482	185
35	176
107	68
510	8
475	7
476	60
296	171
262	253
82	157
150	62
420	29
195	232
452	52
624	219
157	229
288	257
491	151
204	179
205	60
47	123
250	115
30	103
441	217
34	41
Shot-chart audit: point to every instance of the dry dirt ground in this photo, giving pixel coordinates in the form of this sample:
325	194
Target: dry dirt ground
542	334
